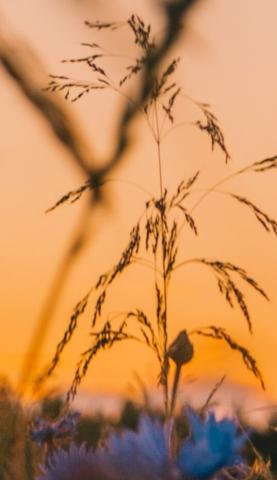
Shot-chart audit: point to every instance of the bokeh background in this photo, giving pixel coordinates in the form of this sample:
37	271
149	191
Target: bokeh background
228	60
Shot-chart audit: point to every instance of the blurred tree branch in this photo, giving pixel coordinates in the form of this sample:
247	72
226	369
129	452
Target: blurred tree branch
24	68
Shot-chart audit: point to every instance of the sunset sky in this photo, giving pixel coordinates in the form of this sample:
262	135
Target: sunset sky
228	59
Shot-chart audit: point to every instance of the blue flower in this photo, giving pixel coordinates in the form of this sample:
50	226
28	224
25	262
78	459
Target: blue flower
141	455
43	432
213	445
76	464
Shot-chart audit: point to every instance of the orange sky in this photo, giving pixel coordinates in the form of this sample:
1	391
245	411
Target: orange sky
228	60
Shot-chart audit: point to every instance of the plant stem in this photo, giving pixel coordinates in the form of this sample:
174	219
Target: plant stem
162	213
175	388
158	141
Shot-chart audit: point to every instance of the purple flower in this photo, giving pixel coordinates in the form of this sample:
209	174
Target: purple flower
43	432
66	426
141	455
213	445
76	464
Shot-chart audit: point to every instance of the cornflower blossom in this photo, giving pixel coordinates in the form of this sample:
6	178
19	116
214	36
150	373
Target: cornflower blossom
142	455
44	432
212	446
77	463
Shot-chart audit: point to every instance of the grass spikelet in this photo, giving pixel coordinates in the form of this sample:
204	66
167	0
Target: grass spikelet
104	25
226	284
147	331
219	333
212	128
264	165
269	224
67	336
103	339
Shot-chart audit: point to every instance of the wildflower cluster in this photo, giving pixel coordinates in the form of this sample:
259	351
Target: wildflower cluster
153	453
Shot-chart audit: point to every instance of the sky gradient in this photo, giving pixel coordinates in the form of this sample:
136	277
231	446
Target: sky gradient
228	60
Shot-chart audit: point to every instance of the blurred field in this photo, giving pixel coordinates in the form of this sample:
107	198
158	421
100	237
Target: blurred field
20	457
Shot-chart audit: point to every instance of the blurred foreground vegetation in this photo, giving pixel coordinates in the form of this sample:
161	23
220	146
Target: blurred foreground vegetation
20	457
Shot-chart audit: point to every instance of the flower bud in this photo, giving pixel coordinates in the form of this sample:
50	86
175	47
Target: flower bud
181	350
